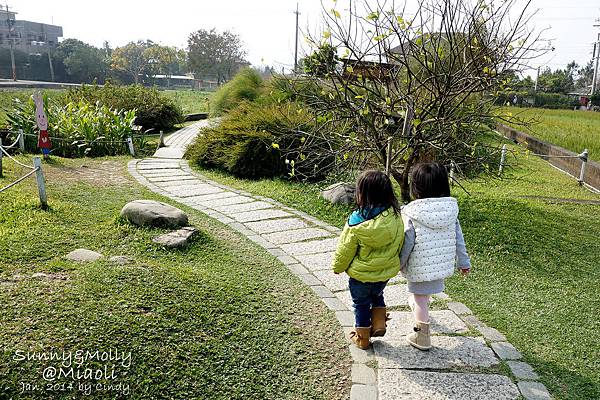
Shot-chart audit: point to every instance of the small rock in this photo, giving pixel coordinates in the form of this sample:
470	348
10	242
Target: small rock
340	193
176	238
40	275
83	255
120	260
154	213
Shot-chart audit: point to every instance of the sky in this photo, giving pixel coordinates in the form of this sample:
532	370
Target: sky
266	27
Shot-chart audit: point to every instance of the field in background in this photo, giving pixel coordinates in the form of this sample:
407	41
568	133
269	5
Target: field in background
573	130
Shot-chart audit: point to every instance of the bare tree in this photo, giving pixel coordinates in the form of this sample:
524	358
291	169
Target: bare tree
407	85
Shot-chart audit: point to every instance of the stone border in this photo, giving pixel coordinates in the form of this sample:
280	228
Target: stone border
364	376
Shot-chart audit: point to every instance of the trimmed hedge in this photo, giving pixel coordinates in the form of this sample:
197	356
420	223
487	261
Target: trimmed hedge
541	99
245	86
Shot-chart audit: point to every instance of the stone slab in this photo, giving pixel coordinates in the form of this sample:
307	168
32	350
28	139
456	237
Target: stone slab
170	152
534	391
193	190
394	295
334	304
402	322
165	185
322	292
163	172
400	384
236	208
459	308
312	247
144	166
345	317
447	352
316	262
258	215
209	197
333	282
309	280
226	201
178	238
277	225
506	351
296	235
176	178
363	392
364	375
522	370
360	356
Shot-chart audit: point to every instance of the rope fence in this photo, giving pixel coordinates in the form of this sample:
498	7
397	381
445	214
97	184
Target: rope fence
35	169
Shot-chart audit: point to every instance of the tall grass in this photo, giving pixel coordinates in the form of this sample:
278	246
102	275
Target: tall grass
245	85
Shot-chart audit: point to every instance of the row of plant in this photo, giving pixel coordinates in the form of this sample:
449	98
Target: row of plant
94	120
540	99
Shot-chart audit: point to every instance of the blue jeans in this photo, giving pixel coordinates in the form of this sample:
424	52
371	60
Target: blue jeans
365	295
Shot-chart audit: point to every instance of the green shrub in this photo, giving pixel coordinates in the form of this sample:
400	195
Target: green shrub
540	99
262	140
78	128
245	86
152	108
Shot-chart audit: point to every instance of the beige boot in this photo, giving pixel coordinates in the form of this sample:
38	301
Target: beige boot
361	337
379	316
420	338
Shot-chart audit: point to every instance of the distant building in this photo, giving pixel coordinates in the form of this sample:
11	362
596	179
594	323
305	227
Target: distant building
29	37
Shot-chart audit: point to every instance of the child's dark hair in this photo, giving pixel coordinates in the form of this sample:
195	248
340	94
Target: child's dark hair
429	180
374	189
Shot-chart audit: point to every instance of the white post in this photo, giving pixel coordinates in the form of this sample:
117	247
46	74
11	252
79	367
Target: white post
39	176
502	160
130	144
388	162
451	173
1	155
584	159
22	140
161	140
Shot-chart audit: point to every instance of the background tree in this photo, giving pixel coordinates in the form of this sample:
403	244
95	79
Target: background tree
165	60
132	59
423	83
211	53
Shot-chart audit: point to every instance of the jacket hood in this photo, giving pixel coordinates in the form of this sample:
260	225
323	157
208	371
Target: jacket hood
434	213
380	231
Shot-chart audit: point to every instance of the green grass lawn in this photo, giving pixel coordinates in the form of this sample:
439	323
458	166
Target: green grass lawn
573	130
535	262
191	101
220	319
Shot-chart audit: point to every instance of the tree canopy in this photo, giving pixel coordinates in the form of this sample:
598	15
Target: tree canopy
215	54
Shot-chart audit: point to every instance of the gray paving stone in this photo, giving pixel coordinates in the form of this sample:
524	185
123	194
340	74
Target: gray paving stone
208	197
247	232
459	308
402	322
236	208
258	215
506	351
225	201
297	269
522	370
276	225
363	392
177	178
332	281
447	352
312	247
179	182
394	295
442	296
225	220
361	356
144	166
363	375
278	252
287	260
163	172
260	241
309	280
472	321
334	304
534	391
296	235
401	384
322	292
317	262
491	334
346	318
192	190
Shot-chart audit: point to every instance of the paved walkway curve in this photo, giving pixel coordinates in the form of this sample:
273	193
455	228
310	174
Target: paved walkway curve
466	355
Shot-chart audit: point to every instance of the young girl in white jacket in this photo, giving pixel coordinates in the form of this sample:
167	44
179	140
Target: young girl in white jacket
433	244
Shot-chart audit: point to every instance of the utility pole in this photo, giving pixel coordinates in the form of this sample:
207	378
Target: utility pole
537	77
12	43
597	56
296	42
49	57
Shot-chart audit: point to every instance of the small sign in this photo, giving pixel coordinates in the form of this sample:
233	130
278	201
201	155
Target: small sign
44	142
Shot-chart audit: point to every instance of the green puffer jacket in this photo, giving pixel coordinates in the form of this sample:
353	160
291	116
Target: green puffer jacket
369	251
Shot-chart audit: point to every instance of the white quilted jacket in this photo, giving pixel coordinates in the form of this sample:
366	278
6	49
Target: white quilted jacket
434	254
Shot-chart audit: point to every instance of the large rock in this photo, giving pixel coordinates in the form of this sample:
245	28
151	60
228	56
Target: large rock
340	193
178	238
83	255
154	213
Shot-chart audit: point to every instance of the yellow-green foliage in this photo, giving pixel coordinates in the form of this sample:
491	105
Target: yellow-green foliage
245	85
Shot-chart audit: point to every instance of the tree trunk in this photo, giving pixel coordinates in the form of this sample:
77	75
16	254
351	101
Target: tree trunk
402	176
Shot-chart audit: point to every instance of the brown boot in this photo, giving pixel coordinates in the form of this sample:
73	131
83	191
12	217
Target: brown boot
420	338
361	336
379	318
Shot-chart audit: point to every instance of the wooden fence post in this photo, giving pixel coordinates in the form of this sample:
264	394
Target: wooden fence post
584	158
130	144
22	140
39	176
161	140
502	160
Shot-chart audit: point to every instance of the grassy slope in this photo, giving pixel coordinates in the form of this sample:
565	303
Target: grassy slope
536	266
221	319
191	101
573	130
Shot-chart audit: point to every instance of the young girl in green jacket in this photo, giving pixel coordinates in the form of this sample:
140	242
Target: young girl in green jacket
368	251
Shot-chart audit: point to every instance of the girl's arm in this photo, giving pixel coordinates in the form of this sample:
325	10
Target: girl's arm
462	258
409	243
345	252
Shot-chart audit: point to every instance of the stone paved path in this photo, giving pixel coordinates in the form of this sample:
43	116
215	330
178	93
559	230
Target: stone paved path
464	364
